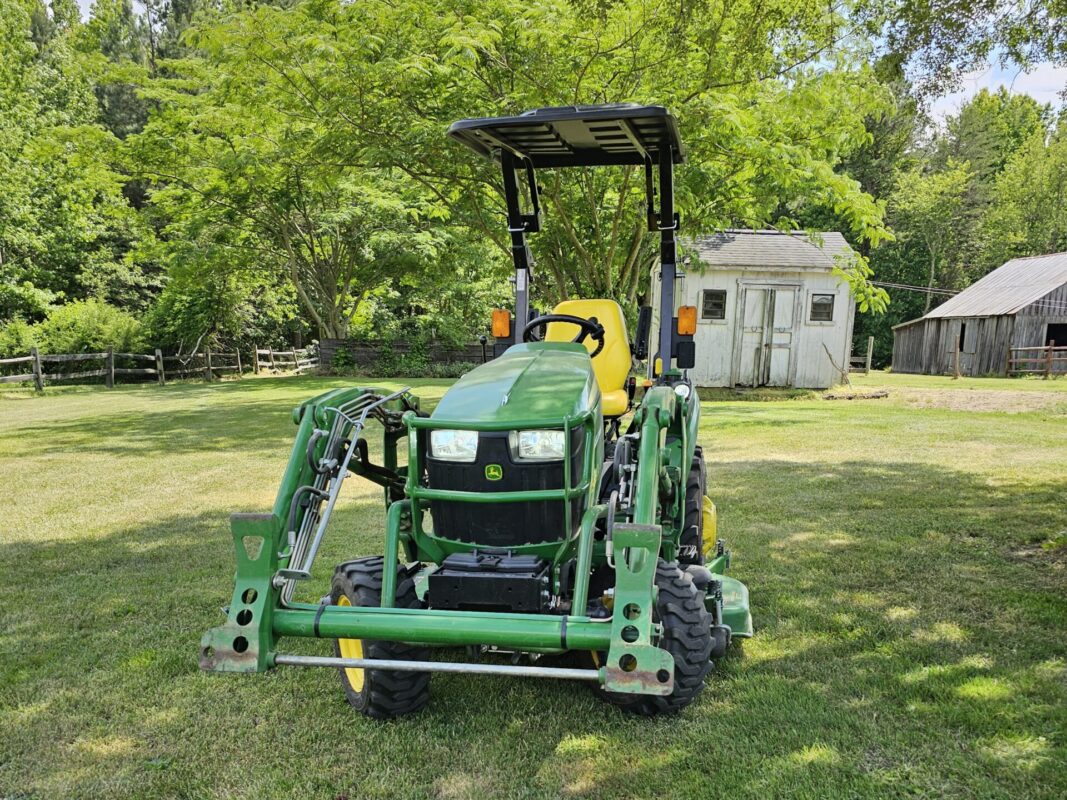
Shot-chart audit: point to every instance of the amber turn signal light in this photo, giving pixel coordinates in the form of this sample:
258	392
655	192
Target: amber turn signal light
687	320
501	323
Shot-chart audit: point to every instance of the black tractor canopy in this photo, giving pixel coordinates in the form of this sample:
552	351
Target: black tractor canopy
576	136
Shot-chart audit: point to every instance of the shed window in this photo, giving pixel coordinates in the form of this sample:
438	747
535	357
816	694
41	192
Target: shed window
822	308
713	304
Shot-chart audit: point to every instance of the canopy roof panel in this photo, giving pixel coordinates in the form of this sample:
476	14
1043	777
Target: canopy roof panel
576	136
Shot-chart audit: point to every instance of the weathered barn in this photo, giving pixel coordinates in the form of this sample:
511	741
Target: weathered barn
1018	305
769	308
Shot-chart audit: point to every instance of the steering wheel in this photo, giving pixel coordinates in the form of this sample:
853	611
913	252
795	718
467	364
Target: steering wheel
587	327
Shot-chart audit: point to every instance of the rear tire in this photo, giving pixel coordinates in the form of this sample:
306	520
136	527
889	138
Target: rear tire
686	636
691	542
379	693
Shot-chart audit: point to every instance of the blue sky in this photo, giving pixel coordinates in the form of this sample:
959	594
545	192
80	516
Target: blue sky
1044	83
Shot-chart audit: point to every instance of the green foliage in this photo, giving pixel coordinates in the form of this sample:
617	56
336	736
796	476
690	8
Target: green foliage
220	309
66	226
763	127
88	326
266	173
1028	212
857	272
24	300
945	40
16	338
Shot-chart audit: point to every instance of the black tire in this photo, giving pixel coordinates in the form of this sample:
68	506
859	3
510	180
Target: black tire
384	694
686	636
691	542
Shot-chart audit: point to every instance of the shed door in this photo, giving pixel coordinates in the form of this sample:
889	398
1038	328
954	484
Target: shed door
766	340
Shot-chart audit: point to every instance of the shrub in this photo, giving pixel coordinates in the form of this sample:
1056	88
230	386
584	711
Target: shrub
16	338
456	369
88	326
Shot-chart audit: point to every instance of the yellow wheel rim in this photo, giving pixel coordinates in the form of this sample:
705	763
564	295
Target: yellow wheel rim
711	527
351	648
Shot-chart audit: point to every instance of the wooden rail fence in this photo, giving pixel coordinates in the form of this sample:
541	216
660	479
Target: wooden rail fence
1048	360
110	364
862	363
268	359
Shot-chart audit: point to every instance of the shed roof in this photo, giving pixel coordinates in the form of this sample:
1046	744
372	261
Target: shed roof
1008	288
749	248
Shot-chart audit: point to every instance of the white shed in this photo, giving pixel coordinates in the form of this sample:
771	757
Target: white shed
767	303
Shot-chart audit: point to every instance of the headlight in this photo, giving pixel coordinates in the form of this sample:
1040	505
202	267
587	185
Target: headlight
454	445
537	445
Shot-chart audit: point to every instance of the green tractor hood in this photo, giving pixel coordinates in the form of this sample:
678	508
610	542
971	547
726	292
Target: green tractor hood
539	382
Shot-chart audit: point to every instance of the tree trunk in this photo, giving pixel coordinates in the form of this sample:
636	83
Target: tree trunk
930	282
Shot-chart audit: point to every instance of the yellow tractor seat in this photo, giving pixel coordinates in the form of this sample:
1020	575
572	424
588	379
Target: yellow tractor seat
612	364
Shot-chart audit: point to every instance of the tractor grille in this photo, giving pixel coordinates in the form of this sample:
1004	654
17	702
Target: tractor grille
503	525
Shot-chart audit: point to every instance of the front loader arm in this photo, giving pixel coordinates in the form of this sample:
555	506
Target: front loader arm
245	642
635	663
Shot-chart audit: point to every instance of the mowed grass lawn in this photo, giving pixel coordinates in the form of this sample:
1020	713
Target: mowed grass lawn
909	595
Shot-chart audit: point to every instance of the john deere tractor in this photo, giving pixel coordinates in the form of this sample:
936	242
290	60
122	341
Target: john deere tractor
547	506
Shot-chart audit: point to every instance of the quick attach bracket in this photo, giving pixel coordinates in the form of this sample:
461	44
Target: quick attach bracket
635	664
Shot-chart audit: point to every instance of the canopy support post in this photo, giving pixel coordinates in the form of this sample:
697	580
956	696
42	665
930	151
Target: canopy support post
519	224
667	223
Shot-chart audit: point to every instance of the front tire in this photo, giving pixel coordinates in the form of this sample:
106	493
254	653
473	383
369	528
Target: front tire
379	693
691	542
686	636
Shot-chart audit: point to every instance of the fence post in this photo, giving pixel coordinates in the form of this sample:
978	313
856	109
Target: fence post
1049	360
956	364
296	361
109	368
38	373
870	355
270	352
207	365
238	353
255	358
1008	370
159	368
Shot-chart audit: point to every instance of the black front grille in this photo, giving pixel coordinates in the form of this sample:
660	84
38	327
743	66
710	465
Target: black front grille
503	525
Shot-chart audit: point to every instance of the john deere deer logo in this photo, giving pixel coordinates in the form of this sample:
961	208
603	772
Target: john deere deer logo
493	472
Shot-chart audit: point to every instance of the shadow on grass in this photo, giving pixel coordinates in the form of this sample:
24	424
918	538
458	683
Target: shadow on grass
900	649
232	416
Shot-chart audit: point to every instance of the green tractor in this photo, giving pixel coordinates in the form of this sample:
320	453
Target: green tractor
542	509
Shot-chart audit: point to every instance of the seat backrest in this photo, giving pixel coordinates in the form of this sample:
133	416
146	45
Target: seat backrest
612	366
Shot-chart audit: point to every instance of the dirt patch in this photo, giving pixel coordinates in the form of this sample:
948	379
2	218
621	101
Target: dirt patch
1003	400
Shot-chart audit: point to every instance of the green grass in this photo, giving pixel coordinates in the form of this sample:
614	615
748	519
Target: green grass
911	618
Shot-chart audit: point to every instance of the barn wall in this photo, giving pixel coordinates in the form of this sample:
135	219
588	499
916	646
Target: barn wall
1033	320
928	346
907	347
717	340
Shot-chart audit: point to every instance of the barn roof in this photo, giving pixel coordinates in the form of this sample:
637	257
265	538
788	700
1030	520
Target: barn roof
748	248
1008	288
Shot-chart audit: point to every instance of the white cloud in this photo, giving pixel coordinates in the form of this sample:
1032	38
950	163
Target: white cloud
1044	83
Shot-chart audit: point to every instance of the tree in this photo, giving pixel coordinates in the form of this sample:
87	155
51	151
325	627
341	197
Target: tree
762	122
1028	211
944	39
242	185
928	207
989	128
65	226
